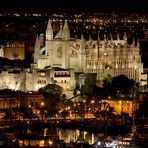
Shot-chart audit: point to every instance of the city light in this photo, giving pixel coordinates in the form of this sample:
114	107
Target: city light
73	79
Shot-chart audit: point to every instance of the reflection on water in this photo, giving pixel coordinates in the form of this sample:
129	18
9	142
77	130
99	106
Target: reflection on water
59	135
75	135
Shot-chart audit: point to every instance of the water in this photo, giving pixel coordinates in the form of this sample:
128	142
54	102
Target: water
68	136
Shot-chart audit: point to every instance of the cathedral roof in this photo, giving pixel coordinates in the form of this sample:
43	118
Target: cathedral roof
60	69
55	68
41	70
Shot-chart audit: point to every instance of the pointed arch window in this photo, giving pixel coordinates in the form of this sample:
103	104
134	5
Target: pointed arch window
59	52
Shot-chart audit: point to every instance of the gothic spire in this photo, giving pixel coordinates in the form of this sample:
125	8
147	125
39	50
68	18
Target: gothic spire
37	43
111	37
76	36
98	37
124	36
133	41
66	32
36	48
105	37
138	43
82	37
49	27
90	38
118	38
49	31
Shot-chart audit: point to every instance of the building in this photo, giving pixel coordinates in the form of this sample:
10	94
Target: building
14	51
60	58
103	57
120	106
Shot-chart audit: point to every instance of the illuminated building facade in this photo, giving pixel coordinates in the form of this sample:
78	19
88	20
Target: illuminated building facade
103	57
119	106
14	51
63	56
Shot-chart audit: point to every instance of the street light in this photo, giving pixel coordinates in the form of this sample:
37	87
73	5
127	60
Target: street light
42	109
42	104
92	106
92	101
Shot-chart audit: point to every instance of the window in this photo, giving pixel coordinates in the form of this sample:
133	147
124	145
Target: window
42	74
59	52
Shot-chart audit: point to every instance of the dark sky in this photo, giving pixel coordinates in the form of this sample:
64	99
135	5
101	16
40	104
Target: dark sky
76	5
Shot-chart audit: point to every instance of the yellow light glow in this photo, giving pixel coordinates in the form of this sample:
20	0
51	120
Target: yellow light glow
42	104
41	143
50	142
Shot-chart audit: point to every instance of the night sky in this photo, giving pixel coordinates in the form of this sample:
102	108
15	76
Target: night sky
138	6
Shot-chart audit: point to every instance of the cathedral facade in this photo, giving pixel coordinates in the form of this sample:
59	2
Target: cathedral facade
61	51
104	57
61	57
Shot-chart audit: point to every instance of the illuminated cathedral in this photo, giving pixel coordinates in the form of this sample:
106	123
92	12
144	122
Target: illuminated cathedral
103	57
61	57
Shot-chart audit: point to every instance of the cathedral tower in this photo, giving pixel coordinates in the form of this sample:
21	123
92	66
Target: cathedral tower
49	31
66	32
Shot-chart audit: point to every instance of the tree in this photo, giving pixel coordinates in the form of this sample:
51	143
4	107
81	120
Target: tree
90	90
75	92
51	89
121	86
97	114
117	87
106	113
142	111
124	115
106	88
65	113
52	95
26	112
